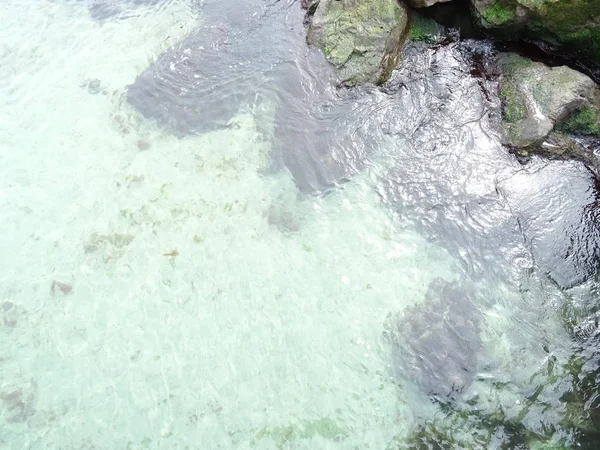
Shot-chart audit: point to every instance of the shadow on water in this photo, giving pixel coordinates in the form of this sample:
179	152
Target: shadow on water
104	10
426	140
246	55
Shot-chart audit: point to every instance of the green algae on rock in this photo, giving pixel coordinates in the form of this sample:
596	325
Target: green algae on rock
585	121
361	39
495	13
425	29
536	97
571	23
476	424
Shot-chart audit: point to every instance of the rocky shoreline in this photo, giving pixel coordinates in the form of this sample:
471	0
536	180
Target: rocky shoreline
536	63
546	109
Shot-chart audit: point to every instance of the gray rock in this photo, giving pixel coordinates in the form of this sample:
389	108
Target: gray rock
537	97
436	341
361	39
199	84
561	147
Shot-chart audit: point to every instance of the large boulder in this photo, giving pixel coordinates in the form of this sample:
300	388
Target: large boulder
536	97
361	39
572	23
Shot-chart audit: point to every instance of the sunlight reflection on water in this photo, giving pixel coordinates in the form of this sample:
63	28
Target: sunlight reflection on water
185	291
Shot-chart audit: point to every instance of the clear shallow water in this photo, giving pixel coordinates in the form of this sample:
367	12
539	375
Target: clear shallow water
165	292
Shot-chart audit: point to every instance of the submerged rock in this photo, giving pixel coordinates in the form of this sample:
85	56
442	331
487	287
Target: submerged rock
200	83
283	218
361	39
537	97
185	89
18	401
247	56
570	23
436	341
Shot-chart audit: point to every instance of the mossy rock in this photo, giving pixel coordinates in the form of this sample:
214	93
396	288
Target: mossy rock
585	121
361	39
513	105
570	23
424	29
473	430
536	97
497	13
582	404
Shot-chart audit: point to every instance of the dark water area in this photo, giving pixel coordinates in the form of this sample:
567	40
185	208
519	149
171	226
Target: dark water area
104	10
243	55
428	144
452	312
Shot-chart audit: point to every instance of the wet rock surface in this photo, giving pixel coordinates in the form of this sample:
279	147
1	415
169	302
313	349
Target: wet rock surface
537	97
499	218
361	39
558	146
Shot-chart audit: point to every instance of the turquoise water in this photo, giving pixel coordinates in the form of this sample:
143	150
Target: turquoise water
164	292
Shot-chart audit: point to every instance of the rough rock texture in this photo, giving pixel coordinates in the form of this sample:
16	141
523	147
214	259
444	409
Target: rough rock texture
436	342
561	147
425	29
585	121
361	39
574	23
537	97
424	3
